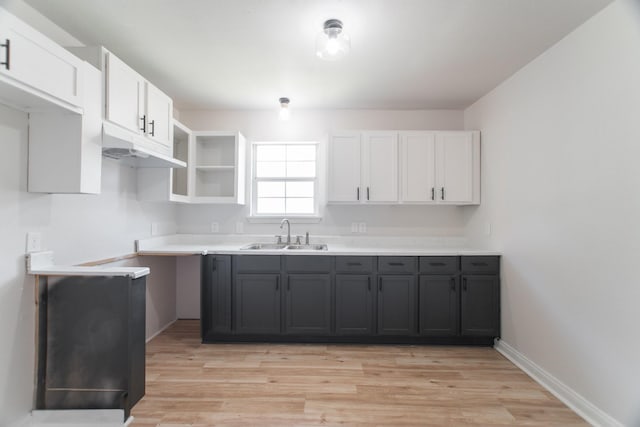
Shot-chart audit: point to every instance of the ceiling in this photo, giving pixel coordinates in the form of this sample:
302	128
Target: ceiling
245	54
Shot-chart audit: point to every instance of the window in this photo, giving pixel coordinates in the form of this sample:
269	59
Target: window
284	179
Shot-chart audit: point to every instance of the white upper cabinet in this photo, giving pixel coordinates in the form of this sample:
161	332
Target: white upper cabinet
124	90
440	167
344	167
36	74
363	167
380	167
159	116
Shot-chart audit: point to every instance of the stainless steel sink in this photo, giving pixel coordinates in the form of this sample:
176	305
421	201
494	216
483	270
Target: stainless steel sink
282	246
318	247
263	246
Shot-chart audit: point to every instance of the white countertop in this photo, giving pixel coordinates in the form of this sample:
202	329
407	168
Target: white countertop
42	264
191	244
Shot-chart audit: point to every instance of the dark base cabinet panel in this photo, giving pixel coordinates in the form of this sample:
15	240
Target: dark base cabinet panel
439	305
91	349
308	304
354	304
215	294
396	305
480	305
257	303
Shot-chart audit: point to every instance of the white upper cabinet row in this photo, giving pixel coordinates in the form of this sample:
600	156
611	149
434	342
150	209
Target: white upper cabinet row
421	167
36	74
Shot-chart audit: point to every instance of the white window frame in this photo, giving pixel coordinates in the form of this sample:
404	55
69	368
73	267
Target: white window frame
256	217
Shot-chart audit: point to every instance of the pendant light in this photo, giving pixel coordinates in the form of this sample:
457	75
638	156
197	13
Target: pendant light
284	113
332	43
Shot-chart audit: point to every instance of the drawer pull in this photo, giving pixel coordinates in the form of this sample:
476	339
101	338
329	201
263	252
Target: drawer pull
453	284
7	60
353	264
437	264
479	264
277	282
396	264
464	284
369	283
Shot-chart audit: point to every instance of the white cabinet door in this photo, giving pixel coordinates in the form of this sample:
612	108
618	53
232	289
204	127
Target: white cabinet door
30	58
344	168
124	93
417	151
380	166
159	112
454	166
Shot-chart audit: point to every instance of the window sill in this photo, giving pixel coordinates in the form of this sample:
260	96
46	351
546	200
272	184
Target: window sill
278	219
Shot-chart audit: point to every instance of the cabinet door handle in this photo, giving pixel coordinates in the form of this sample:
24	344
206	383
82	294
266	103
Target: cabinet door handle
464	284
354	263
437	264
144	124
152	123
277	282
433	193
358	193
369	283
380	284
7	56
367	193
396	264
453	284
442	193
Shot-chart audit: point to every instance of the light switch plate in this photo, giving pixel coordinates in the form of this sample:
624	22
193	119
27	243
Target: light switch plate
155	228
362	227
215	227
354	227
239	227
34	241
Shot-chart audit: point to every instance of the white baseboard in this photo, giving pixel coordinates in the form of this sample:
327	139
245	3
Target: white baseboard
161	330
587	410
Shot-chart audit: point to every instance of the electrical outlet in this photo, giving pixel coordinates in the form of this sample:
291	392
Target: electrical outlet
34	241
487	229
239	227
215	227
362	227
155	228
354	227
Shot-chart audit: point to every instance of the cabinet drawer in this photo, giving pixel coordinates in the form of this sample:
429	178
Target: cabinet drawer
354	264
439	264
256	263
397	264
481	264
308	264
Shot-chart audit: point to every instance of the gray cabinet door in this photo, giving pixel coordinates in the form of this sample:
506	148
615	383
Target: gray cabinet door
396	305
215	295
308	304
480	306
257	303
354	304
438	305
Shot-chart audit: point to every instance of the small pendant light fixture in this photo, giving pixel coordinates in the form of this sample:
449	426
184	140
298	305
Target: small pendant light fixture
284	109
332	43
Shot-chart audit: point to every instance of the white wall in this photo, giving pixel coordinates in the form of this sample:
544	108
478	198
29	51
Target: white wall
313	125
77	228
561	189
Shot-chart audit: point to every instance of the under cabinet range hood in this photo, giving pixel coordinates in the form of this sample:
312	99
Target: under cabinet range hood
122	145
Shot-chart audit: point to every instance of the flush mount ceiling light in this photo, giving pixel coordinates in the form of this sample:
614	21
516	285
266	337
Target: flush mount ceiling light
332	43
284	109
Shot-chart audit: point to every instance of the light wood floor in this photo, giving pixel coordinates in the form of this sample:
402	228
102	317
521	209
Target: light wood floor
194	384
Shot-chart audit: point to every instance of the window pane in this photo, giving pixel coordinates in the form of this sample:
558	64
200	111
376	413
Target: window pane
299	189
301	152
271	189
301	169
300	206
271	205
270	169
270	153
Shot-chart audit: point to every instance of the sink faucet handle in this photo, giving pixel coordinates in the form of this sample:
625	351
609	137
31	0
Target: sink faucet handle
298	240
306	238
278	239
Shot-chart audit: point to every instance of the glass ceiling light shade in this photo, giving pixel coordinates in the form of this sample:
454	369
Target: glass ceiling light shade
285	113
332	43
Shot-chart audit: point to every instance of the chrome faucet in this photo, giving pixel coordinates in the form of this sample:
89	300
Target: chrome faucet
288	229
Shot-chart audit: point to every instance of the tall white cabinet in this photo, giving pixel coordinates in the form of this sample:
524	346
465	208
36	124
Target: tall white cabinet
406	167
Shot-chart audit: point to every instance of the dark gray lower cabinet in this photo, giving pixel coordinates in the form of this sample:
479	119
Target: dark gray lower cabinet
396	305
439	305
480	307
257	303
215	295
308	304
354	304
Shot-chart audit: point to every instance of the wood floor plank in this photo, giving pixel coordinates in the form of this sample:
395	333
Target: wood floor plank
190	384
